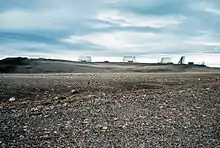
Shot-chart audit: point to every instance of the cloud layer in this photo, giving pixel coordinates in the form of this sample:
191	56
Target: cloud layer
148	29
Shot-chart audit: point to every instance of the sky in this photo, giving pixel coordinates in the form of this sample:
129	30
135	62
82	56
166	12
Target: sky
110	29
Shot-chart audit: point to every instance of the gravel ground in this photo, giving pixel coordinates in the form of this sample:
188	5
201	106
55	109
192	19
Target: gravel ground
110	110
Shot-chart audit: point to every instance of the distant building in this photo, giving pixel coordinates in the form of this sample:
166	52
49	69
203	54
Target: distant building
129	59
86	59
190	63
166	60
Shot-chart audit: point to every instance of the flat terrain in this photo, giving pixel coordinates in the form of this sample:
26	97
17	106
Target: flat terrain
110	110
24	65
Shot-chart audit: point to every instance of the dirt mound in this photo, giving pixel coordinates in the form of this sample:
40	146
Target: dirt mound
9	65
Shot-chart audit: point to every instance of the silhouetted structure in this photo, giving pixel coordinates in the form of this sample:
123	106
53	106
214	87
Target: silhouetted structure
129	59
190	63
166	60
85	59
182	60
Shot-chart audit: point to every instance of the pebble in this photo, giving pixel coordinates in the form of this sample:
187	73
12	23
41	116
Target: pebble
12	99
21	137
65	104
74	91
124	126
61	98
86	121
104	127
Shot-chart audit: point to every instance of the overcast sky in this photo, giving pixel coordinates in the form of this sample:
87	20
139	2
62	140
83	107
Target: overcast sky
148	29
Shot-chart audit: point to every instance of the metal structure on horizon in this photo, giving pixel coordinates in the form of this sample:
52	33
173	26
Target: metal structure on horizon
86	59
129	59
166	60
182	60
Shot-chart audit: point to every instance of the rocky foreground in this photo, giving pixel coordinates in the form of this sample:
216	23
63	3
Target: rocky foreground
110	110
